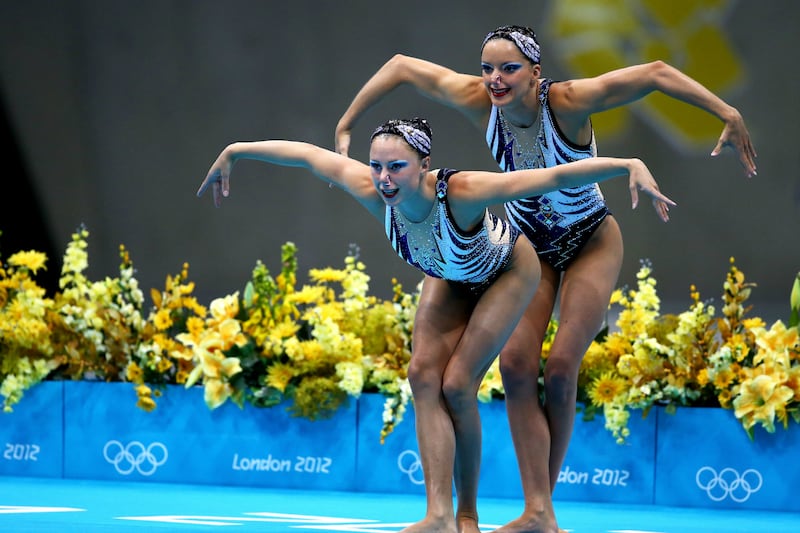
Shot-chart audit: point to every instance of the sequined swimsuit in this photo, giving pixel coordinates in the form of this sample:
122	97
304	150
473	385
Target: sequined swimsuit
558	223
442	250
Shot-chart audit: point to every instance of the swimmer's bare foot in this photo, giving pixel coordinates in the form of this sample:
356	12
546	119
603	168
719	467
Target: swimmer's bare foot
432	525
531	524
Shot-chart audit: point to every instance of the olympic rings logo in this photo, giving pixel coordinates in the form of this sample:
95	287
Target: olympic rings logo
135	456
408	463
729	483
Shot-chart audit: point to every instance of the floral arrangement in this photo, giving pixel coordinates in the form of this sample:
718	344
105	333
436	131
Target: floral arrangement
312	347
694	358
315	346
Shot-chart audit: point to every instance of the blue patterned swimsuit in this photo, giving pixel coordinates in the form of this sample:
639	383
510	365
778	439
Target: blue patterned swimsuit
558	223
442	250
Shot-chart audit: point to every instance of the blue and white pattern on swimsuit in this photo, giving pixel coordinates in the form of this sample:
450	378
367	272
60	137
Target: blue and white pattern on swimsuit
440	249
557	223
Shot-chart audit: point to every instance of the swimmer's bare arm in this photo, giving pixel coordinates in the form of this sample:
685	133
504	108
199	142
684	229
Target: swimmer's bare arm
463	92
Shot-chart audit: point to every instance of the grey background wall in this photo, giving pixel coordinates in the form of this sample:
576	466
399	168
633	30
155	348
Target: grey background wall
120	107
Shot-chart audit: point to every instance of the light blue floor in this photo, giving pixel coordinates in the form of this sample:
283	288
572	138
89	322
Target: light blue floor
32	505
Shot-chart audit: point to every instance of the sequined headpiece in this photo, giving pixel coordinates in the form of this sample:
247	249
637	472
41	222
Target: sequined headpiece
524	38
415	132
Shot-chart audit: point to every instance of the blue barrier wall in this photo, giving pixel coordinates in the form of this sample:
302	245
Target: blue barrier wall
88	430
32	435
705	459
107	437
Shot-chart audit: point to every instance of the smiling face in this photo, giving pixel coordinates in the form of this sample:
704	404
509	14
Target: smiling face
507	73
398	171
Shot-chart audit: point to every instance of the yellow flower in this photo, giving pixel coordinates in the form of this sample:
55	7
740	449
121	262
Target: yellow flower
307	295
758	401
753	323
133	373
279	375
285	329
145	398
793	382
163	365
644	271
146	403
724	378
352	377
162	319
32	260
306	351
225	307
778	338
182	351
596	360
616	296
702	377
617	345
617	416
605	389
323	275
739	346
230	332
329	313
724	397
195	325
216	393
301	350
626	365
217	367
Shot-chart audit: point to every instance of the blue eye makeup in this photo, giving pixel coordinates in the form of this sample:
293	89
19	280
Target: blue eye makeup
392	166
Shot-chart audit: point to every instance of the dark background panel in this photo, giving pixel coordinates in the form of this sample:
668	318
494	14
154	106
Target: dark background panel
118	109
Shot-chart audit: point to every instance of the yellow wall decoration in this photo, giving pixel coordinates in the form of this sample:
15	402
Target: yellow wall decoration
591	37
